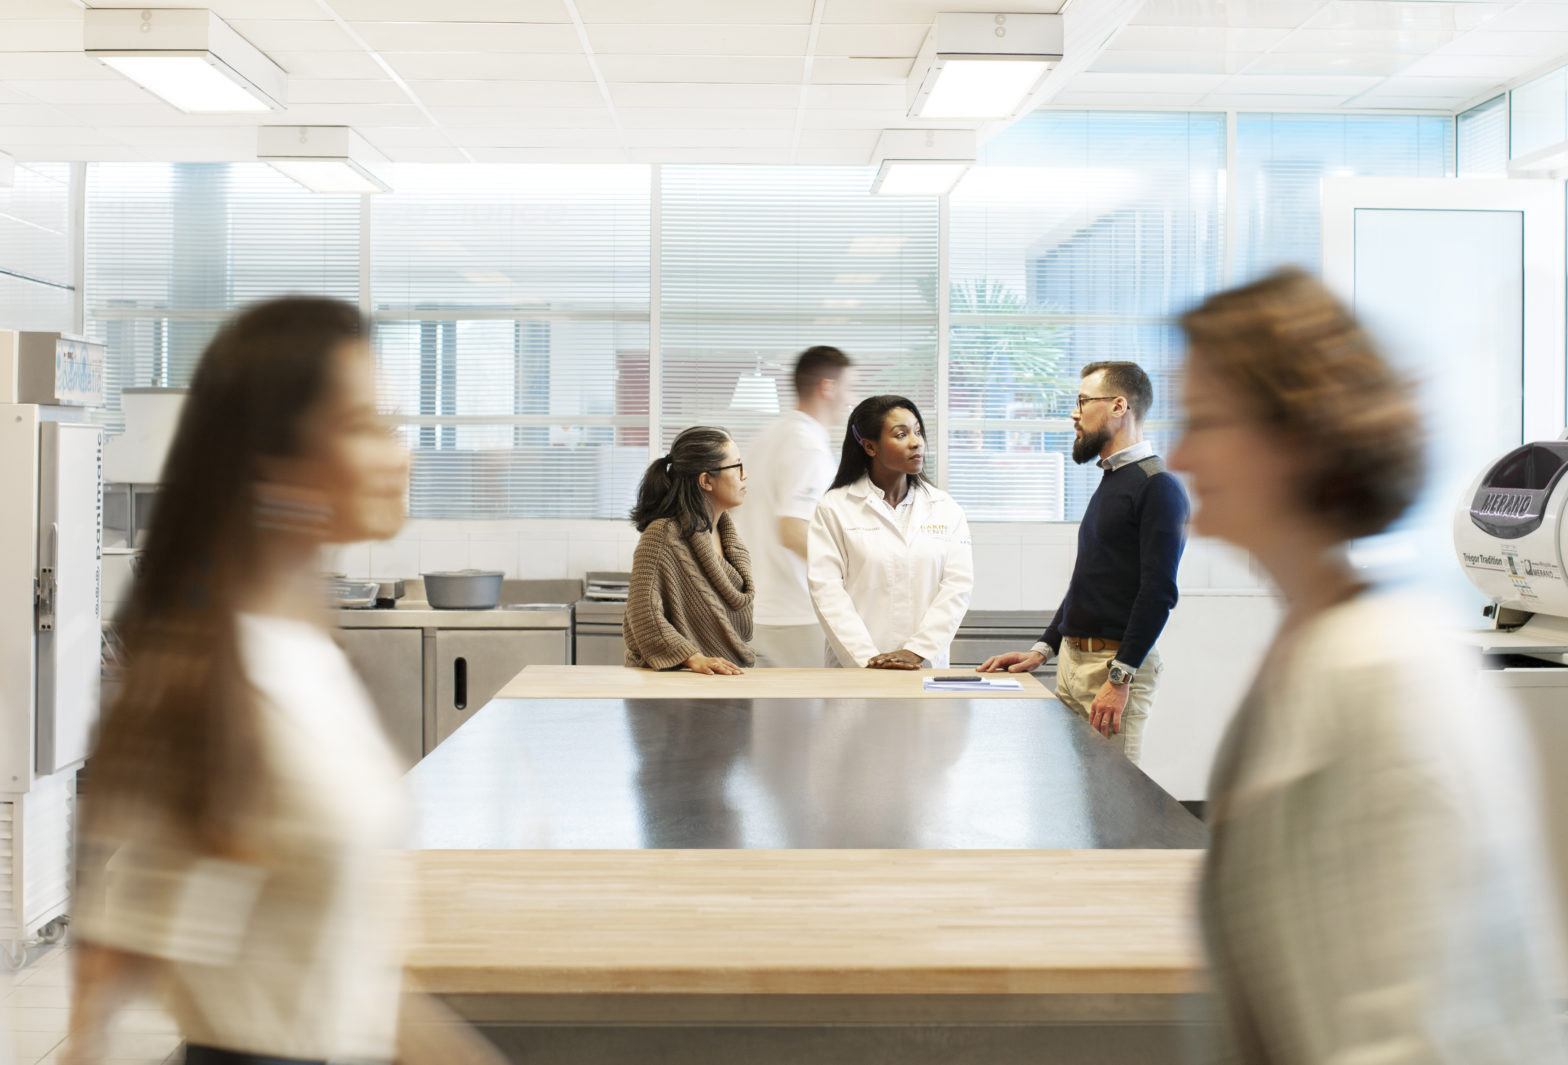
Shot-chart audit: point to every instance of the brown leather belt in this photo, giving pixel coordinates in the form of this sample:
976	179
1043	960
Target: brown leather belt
1092	643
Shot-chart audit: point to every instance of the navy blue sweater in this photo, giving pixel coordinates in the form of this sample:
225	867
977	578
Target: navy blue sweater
1129	544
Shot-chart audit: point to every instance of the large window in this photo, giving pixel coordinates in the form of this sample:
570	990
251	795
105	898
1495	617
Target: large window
512	311
1076	240
543	329
1281	161
759	263
36	286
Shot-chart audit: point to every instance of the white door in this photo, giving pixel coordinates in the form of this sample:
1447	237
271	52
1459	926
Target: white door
1460	282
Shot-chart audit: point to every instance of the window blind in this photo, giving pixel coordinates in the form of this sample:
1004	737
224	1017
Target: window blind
759	263
1481	139
512	310
1538	114
1281	161
1074	240
174	249
35	249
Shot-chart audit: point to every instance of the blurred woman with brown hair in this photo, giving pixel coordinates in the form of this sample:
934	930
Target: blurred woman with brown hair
242	798
1373	890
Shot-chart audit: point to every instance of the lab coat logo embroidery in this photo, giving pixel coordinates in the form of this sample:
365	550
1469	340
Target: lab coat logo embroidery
934	529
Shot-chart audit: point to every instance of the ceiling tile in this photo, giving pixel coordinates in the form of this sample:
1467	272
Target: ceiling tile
859	97
1496	67
118	91
696	12
863	140
1190	38
44	9
715	118
511	117
469	37
1259	14
713	156
521	137
1406	14
152	113
44	135
1531	17
1411	103
1126	99
708	138
1542	43
755	71
80	151
1372	64
329	91
1274	85
27	116
1292	102
295	35
1117	61
351	115
1407	42
869	41
55	35
835	70
236	10
337	65
831	157
452	10
608	154
1463	88
387	138
508	93
675	94
733	41
922	11
55	66
1179	84
488	66
422	154
845	119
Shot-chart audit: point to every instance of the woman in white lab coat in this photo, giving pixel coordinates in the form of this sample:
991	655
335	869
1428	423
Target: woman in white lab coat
888	556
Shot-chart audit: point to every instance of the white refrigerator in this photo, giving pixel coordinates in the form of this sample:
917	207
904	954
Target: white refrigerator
51	500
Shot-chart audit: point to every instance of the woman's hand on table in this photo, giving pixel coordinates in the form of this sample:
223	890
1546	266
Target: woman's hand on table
713	666
896	660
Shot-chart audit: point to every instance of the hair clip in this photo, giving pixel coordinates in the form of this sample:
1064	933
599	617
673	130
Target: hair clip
858	438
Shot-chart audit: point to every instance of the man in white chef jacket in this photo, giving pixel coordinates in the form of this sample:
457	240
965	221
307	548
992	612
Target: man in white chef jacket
788	468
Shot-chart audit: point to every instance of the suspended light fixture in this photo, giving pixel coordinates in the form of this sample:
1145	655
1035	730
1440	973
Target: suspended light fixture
189	58
921	162
983	66
755	392
322	158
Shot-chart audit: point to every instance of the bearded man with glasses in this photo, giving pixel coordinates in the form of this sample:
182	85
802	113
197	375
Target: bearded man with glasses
1123	586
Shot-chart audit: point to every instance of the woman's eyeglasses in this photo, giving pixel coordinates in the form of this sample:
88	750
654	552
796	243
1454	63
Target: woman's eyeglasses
741	466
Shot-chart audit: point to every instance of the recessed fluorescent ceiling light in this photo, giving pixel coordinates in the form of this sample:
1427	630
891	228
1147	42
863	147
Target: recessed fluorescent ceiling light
193	83
981	88
322	158
189	58
982	66
916	177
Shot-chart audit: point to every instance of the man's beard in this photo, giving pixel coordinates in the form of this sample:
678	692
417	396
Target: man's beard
1089	445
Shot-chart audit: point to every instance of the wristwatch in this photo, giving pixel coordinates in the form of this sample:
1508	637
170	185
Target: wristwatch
1120	674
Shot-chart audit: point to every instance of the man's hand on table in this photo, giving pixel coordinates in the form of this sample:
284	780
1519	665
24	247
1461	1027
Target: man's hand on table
1013	662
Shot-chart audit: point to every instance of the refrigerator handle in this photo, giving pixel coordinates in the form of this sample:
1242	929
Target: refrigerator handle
46	586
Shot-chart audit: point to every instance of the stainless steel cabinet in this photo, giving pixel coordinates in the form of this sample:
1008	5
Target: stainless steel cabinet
473	664
391	663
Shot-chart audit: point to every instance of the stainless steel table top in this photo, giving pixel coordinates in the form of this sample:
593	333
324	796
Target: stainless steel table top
787	773
418	614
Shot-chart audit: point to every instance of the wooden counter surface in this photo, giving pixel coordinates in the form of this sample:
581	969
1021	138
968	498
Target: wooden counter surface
813	922
618	682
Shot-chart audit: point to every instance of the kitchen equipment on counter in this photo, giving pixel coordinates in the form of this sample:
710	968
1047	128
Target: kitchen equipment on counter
354	595
464	589
1511	538
388	592
607	586
597	637
50	655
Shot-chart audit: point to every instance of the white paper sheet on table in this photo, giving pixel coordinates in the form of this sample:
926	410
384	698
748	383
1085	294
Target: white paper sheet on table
936	684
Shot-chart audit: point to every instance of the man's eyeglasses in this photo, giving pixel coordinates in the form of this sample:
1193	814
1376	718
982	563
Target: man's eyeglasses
741	466
1078	406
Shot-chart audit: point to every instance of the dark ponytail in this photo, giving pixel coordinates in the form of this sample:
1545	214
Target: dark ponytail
669	486
865	423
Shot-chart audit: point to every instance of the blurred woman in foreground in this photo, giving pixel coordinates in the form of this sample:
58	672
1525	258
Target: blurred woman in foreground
1373	890
243	799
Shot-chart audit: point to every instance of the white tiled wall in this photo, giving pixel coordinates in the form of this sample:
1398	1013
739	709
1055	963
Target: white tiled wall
1017	566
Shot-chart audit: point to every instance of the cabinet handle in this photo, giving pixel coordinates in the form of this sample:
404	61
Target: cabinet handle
460	683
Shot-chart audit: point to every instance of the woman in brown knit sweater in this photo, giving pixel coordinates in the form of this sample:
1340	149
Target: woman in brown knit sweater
690	598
